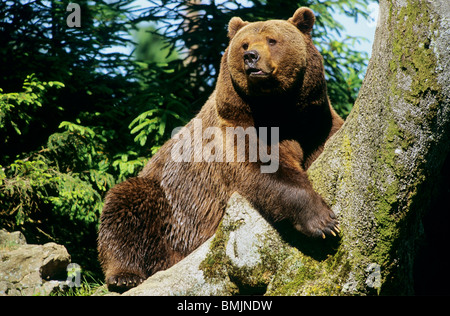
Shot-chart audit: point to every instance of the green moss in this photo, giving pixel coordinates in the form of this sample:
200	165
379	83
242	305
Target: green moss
385	228
243	280
412	78
215	264
412	52
347	149
303	275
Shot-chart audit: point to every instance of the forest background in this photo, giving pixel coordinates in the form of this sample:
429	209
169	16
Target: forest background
80	113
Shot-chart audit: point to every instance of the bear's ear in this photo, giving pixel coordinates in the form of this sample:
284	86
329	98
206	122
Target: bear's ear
234	26
303	19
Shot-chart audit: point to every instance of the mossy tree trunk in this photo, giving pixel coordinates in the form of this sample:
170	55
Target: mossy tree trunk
380	170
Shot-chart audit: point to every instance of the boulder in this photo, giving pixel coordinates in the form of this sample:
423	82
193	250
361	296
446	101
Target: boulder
243	257
30	269
11	240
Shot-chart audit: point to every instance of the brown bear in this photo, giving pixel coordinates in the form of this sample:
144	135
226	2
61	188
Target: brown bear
271	77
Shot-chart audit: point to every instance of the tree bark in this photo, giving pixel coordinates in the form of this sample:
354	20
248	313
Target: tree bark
381	169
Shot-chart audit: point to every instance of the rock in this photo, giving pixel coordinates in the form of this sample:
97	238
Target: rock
11	240
30	269
241	258
184	278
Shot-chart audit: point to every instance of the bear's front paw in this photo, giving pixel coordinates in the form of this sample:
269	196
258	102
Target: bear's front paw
317	221
123	281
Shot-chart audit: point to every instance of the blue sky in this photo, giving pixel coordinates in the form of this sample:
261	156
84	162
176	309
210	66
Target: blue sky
362	28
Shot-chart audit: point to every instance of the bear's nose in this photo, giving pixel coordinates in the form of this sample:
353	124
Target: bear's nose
251	57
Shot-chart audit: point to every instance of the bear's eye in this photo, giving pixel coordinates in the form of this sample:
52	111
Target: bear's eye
271	41
245	46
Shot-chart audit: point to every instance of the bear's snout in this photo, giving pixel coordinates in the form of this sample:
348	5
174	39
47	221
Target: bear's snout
251	57
255	64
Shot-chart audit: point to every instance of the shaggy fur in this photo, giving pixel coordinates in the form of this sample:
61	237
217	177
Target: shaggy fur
271	76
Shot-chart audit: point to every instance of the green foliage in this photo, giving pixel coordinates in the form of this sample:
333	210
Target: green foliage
31	185
17	108
344	66
50	205
63	131
168	108
152	47
127	166
89	285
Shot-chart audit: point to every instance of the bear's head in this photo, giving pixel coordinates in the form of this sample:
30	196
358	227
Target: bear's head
269	57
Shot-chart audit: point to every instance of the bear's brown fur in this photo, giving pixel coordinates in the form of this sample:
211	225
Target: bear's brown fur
271	76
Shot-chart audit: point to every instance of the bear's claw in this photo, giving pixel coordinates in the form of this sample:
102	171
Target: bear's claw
320	227
331	229
123	282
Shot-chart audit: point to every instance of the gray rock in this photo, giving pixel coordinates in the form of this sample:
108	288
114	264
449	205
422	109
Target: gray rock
246	229
11	240
30	269
184	278
238	259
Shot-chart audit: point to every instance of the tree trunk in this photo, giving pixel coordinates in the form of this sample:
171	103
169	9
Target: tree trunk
380	171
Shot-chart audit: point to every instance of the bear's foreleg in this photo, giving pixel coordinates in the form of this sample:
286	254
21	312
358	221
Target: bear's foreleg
288	194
